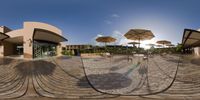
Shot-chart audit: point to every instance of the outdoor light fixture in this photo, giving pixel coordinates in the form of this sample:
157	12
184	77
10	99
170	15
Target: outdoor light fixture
30	42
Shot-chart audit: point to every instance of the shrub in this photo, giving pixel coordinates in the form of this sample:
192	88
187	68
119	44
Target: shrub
67	52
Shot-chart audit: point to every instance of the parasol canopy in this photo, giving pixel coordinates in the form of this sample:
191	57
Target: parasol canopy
133	43
158	45
150	44
105	39
163	42
170	45
139	34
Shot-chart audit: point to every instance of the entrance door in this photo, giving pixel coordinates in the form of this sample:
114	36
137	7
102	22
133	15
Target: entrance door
19	49
37	51
44	49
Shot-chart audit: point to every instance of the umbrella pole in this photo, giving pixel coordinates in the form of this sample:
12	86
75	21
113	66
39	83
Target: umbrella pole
139	51
105	47
163	45
139	42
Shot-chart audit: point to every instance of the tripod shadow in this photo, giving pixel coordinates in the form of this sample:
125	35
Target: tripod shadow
106	81
5	61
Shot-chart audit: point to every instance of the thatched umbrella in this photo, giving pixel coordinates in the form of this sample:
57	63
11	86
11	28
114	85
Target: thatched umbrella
158	45
163	42
133	43
139	34
150	44
170	45
105	39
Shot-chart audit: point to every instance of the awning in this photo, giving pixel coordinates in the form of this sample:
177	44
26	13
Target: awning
191	38
45	35
3	36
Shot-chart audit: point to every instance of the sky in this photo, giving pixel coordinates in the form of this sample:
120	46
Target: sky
81	21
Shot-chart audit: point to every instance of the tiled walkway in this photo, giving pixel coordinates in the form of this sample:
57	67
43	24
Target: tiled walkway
64	77
135	77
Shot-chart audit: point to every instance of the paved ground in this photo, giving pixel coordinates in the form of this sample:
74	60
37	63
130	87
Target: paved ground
118	75
161	77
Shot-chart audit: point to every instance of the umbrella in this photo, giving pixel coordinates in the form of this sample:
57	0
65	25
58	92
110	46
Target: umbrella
158	45
105	39
150	44
139	34
163	42
133	43
170	45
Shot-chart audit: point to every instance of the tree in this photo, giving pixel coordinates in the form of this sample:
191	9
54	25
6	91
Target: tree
179	47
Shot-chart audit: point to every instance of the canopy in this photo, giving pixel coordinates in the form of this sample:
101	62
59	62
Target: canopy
191	38
170	45
3	36
139	34
40	34
150	44
105	39
163	42
133	43
158	45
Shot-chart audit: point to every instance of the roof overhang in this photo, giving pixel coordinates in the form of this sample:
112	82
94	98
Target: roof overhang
3	36
191	38
45	35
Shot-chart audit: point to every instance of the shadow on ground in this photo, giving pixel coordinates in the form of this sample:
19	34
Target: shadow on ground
107	81
196	61
35	67
5	61
63	57
174	60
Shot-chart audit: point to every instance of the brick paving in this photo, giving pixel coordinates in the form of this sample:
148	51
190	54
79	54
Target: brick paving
64	78
130	77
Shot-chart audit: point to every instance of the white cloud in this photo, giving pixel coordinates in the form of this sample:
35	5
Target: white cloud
115	16
121	40
94	42
108	22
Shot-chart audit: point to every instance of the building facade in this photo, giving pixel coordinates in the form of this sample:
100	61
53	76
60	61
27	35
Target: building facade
34	40
75	49
191	42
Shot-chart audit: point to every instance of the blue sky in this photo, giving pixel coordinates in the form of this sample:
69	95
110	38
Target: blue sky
83	20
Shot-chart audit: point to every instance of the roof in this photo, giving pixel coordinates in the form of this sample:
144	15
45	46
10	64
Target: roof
191	38
3	36
40	34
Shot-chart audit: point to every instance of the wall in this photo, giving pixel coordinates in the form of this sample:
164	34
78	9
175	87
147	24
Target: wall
59	50
9	49
27	33
1	49
197	51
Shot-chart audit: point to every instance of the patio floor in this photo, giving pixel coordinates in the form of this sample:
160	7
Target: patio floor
159	77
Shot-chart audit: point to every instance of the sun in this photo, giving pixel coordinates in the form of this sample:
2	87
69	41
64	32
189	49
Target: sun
144	43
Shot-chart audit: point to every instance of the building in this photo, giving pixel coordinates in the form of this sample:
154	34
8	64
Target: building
191	41
75	49
34	40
